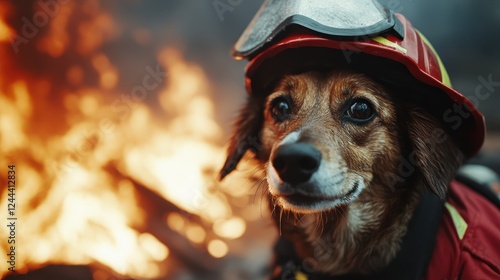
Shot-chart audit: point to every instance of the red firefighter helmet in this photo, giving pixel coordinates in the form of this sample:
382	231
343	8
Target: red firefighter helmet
292	36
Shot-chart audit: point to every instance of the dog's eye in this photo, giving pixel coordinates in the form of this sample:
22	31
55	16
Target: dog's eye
360	110
281	108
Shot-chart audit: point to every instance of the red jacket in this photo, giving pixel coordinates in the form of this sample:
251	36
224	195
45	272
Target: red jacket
468	240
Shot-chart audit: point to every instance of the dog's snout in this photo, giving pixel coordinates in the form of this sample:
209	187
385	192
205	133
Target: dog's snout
297	162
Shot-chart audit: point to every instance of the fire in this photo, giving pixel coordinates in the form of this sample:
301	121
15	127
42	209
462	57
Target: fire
82	158
186	141
5	30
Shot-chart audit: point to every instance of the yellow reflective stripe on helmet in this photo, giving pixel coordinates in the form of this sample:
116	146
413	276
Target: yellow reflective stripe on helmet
458	221
300	276
445	78
385	42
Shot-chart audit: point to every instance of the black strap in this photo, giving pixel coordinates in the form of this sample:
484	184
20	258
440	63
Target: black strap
412	260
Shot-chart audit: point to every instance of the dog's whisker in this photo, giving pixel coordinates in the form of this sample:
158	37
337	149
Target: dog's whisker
256	186
281	216
262	197
322	222
258	167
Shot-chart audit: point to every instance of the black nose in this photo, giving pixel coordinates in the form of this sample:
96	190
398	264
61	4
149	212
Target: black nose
297	162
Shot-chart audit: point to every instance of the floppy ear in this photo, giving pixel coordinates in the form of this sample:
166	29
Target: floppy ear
434	151
246	134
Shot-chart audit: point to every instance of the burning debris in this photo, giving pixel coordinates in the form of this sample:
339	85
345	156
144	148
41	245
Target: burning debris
109	183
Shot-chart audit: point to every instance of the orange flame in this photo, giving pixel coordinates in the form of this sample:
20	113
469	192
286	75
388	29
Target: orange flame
72	210
5	30
74	225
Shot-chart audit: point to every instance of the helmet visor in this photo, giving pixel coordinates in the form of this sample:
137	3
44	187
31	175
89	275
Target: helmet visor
346	18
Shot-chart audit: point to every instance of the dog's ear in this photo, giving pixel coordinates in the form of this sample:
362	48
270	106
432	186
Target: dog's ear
246	133
434	151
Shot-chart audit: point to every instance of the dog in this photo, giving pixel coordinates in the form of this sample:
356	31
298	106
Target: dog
346	160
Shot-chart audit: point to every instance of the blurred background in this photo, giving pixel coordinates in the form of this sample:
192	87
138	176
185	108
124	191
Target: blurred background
116	114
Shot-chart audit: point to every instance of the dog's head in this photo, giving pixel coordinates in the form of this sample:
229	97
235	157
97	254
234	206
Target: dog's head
327	138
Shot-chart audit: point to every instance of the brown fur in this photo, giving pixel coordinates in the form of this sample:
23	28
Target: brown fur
396	156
